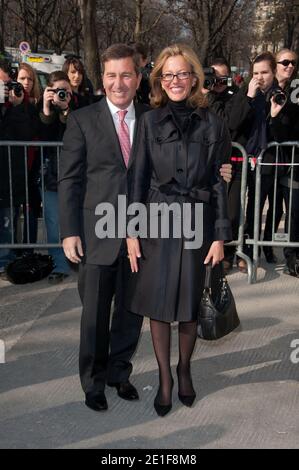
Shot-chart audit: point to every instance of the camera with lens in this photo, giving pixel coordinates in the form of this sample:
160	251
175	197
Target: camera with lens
16	87
62	93
211	79
278	95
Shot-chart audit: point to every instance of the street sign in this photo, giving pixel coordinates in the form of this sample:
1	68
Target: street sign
24	47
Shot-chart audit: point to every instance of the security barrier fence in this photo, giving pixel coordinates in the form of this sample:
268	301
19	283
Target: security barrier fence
49	150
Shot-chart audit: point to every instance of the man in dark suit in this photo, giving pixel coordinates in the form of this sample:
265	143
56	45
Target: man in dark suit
93	169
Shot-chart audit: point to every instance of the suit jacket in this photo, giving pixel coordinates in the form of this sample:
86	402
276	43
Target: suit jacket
92	171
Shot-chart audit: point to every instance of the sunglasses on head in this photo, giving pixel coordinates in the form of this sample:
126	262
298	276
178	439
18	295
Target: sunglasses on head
287	62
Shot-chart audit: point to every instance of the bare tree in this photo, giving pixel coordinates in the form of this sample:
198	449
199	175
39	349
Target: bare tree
35	15
3	7
140	28
283	24
65	25
90	43
205	20
237	36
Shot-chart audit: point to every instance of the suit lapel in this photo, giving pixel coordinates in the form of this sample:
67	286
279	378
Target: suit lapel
105	121
139	110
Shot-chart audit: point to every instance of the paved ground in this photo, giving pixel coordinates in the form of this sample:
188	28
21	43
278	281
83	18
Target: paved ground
247	385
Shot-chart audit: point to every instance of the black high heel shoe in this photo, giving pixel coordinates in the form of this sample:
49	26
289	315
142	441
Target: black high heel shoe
187	400
162	410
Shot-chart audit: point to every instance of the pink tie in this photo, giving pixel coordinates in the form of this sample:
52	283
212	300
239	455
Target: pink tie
124	136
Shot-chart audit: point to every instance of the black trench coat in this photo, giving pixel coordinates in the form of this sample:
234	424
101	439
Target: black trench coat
173	166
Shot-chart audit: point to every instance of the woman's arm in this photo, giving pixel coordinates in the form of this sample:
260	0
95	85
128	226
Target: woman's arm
222	228
138	185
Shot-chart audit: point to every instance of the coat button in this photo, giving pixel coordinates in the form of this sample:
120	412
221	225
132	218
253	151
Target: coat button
180	170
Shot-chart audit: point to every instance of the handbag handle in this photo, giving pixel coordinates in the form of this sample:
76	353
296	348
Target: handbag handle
208	277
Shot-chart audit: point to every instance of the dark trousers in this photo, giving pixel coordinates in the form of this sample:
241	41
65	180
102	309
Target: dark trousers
267	187
105	352
234	207
278	212
292	252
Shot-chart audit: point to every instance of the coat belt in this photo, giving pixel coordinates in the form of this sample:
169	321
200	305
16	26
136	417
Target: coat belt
174	189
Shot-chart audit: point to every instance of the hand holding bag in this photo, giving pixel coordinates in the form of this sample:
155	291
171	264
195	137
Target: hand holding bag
216	318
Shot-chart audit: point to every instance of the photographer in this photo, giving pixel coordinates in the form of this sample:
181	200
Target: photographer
219	90
249	123
18	122
82	92
285	125
57	104
219	87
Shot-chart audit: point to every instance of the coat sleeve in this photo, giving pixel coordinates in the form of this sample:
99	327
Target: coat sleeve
71	180
222	228
139	174
240	110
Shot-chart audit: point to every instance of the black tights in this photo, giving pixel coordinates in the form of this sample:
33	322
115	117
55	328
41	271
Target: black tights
161	341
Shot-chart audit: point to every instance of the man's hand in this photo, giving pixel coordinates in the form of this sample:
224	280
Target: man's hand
48	99
205	91
226	172
275	108
72	247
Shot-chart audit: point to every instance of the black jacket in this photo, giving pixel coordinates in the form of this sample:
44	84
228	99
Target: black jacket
52	130
17	123
168	164
92	171
242	120
221	103
285	127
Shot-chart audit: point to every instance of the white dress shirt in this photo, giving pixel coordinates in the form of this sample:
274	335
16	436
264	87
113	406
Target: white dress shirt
130	117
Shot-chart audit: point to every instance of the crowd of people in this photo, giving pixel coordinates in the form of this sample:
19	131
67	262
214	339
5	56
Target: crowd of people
253	119
31	114
178	151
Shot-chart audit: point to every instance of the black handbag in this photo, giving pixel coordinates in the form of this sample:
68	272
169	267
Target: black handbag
30	267
219	317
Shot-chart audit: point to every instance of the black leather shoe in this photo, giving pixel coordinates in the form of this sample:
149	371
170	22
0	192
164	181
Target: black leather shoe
162	410
269	255
125	390
96	401
187	400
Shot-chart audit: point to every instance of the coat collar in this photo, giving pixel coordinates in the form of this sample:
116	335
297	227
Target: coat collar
165	112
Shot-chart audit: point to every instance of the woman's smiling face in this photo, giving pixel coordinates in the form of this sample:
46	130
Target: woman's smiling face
177	89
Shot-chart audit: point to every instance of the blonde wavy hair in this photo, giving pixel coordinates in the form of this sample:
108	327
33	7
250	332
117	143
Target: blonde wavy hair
35	94
280	53
158	96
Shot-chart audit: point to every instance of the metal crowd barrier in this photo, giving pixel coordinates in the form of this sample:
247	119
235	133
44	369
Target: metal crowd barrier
239	243
10	145
278	240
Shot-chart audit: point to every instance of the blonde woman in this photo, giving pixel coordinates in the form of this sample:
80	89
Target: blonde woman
180	148
286	67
